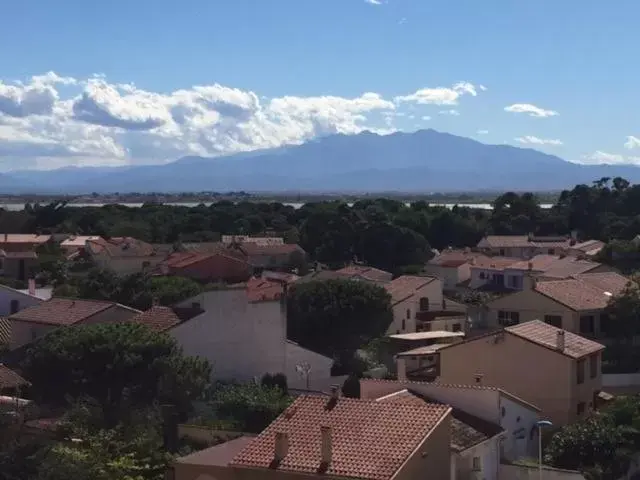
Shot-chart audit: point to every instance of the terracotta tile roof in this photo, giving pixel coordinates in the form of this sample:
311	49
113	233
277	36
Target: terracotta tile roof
26	254
589	247
264	290
454	258
23	238
78	241
10	379
405	286
466	430
585	292
5	331
251	249
494	263
506	241
218	455
554	266
546	335
369	273
160	318
370	440
62	311
121	247
280	276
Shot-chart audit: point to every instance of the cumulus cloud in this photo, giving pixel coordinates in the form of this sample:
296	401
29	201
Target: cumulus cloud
531	140
530	110
452	112
632	142
51	120
600	157
373	2
439	95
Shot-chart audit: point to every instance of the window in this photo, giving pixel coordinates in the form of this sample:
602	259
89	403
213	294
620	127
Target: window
555	320
587	324
580	372
404	326
457	327
34	334
498	279
476	467
593	365
502	252
503	412
424	304
14	306
581	408
408	313
508	318
515	282
482	276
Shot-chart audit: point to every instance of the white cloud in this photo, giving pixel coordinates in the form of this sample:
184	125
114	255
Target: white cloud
600	157
49	120
439	95
426	118
530	110
632	142
373	2
402	21
482	132
452	112
483	88
531	140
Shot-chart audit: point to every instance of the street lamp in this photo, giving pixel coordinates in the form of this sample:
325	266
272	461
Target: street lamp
540	424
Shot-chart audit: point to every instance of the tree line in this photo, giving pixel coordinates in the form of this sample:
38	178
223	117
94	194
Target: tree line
382	232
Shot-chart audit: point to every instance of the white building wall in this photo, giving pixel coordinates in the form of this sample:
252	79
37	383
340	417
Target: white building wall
7	295
404	312
489	454
243	340
518	421
319	368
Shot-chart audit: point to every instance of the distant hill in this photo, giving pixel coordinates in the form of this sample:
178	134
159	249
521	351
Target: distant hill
423	161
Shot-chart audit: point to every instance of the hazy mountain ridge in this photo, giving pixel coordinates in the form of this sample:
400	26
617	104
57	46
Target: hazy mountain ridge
425	160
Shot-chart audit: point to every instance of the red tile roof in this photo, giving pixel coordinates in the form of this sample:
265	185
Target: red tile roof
62	311
589	291
264	290
370	440
160	318
10	379
405	286
493	263
454	258
546	335
26	254
370	273
120	247
23	238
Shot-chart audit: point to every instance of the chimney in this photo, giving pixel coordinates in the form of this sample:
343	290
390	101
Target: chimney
32	286
6	237
560	340
326	446
528	281
281	447
335	392
574	235
530	266
401	367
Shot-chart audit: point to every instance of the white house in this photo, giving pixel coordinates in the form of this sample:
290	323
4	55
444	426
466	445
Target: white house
516	417
411	296
243	336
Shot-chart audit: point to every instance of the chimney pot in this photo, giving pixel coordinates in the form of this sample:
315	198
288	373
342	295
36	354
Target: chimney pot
326	446
560	340
530	265
281	446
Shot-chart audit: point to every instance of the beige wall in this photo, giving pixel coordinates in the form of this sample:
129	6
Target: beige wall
531	305
126	265
406	310
537	375
450	276
585	392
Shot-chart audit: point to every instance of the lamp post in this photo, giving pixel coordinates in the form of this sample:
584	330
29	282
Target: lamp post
540	424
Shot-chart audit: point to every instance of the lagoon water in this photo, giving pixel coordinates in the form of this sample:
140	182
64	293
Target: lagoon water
20	206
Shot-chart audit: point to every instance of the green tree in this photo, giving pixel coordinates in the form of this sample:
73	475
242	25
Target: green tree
119	365
622	326
351	387
251	408
336	317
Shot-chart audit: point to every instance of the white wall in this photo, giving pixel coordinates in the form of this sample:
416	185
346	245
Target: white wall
518	422
320	373
488	452
406	310
24	300
245	340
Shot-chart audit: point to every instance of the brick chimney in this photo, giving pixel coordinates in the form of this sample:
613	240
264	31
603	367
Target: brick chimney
326	445
560	340
281	446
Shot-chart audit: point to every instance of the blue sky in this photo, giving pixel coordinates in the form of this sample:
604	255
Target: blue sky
148	81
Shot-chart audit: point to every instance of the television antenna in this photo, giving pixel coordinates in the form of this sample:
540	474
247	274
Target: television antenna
304	370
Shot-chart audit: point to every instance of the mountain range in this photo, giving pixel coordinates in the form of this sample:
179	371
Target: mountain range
422	161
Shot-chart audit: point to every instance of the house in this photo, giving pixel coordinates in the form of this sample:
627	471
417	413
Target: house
74	244
18	265
554	369
335	438
590	248
12	301
206	267
507	274
516	417
575	304
11	383
34	322
22	242
270	255
475	442
123	255
418	305
363	272
242	331
452	267
527	246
